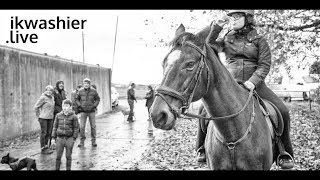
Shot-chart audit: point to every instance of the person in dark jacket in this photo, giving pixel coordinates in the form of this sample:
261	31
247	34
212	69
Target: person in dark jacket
59	96
87	100
73	99
44	109
131	98
149	98
65	132
248	59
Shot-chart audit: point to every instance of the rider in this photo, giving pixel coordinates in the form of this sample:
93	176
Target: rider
248	59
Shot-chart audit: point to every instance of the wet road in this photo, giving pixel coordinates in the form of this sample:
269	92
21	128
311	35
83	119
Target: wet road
120	144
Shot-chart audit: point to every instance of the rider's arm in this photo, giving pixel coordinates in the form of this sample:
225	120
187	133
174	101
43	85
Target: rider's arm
264	62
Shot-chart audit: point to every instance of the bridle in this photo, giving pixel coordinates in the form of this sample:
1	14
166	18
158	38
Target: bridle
183	97
164	90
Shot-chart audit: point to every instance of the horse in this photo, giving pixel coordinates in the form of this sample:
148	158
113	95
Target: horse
238	136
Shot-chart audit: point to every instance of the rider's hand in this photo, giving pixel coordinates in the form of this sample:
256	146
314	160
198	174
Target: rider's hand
223	21
249	85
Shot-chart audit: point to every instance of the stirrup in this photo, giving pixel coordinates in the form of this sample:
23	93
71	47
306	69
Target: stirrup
285	165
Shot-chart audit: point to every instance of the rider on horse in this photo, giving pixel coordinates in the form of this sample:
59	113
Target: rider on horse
248	59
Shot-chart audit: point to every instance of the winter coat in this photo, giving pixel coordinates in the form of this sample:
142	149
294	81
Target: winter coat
44	106
65	125
87	100
247	53
131	94
150	98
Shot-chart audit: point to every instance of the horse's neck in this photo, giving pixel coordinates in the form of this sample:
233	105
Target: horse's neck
225	99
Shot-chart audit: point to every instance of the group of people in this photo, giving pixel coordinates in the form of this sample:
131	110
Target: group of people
131	98
59	118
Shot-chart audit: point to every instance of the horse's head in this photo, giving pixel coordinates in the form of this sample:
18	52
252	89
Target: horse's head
185	79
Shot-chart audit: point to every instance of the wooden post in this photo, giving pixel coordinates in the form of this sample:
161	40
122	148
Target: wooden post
309	100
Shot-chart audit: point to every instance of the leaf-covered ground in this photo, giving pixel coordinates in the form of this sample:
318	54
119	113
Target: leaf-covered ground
176	151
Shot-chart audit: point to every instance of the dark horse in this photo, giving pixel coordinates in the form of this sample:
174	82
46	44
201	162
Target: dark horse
238	136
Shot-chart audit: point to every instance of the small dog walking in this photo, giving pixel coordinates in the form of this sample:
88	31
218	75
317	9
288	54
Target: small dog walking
126	113
17	164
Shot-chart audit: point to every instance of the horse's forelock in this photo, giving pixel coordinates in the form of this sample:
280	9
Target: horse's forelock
182	38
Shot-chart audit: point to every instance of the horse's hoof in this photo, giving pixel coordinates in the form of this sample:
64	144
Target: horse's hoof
286	164
201	157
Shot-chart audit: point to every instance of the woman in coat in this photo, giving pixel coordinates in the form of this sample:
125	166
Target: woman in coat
248	59
44	109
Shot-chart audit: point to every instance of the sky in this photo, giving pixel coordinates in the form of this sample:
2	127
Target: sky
132	60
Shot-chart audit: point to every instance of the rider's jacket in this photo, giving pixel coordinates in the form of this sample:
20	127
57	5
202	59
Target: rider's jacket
248	56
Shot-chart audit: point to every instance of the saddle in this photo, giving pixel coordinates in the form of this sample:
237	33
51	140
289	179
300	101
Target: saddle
271	112
273	116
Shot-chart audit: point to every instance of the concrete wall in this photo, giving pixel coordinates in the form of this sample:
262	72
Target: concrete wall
24	76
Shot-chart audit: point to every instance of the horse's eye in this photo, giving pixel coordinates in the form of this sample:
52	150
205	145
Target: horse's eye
190	65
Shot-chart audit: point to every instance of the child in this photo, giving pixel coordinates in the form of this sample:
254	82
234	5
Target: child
65	132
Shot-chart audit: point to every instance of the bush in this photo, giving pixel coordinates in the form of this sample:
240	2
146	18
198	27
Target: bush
315	95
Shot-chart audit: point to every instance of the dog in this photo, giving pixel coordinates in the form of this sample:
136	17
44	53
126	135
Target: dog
17	164
126	113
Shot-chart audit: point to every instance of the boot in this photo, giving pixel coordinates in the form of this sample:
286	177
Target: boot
46	150
81	144
94	144
68	165
58	162
201	155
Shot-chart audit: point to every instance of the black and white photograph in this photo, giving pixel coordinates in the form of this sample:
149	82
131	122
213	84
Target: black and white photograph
160	90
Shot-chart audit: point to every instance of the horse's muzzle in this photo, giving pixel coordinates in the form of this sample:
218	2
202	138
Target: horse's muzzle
160	119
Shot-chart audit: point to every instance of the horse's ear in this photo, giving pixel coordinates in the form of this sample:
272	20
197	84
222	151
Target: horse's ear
181	29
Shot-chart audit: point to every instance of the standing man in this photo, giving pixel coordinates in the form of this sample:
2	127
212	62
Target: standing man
131	98
87	100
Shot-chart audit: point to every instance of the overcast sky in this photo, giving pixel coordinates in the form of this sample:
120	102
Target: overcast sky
133	60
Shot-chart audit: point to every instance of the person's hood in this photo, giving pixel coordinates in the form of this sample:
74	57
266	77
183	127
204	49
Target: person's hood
57	85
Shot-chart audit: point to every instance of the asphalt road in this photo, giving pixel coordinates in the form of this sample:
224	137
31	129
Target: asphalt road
120	144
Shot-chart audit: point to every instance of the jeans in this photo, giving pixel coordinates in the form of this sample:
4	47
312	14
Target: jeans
131	105
266	93
83	121
46	130
61	143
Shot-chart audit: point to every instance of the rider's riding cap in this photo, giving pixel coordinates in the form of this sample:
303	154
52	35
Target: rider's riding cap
251	12
248	14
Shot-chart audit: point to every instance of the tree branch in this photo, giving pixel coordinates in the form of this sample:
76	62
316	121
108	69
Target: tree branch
315	24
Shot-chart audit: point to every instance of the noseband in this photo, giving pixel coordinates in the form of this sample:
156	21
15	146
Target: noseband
183	97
